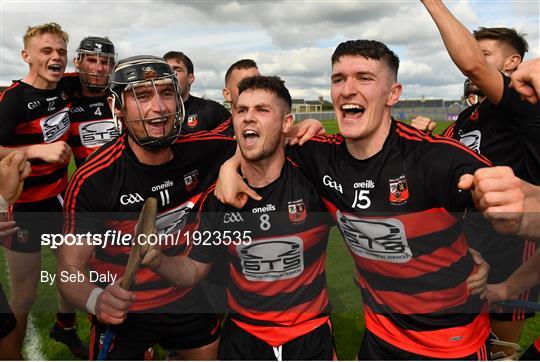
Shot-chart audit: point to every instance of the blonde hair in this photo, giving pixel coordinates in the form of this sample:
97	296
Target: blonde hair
48	28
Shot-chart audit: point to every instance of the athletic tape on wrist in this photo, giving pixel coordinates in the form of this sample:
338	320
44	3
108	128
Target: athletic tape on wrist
4	206
92	300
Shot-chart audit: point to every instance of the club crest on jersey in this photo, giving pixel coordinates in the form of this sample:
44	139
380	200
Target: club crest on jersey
192	120
297	211
475	115
399	190
191	180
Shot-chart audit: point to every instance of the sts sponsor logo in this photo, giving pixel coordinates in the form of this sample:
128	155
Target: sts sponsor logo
272	259
97	133
174	220
55	126
375	239
471	140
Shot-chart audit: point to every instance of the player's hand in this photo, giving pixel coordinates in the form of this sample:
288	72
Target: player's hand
477	282
56	152
231	188
497	292
13	170
498	193
526	80
113	304
304	131
424	124
151	255
8	228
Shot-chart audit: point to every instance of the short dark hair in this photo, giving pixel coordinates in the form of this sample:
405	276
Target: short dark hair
271	84
240	64
507	36
369	49
180	57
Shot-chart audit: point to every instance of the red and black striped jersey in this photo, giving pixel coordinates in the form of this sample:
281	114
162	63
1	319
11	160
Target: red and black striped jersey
107	192
395	211
506	133
91	126
203	115
277	287
32	116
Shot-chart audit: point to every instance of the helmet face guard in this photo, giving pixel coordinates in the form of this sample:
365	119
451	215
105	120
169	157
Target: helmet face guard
100	51
144	79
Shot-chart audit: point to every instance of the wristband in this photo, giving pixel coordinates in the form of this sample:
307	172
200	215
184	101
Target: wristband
92	300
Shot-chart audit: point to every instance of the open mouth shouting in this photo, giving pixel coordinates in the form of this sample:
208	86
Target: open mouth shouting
55	69
352	111
251	137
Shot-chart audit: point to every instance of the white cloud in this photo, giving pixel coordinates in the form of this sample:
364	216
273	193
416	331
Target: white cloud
292	39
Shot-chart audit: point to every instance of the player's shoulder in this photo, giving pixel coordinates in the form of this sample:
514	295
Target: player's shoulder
13	93
102	162
419	147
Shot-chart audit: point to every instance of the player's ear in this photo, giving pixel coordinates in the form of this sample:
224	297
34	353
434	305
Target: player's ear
114	106
395	93
511	63
226	94
288	122
25	56
191	78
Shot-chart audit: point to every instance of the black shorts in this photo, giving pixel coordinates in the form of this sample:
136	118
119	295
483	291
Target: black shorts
504	254
532	353
374	348
7	319
237	344
141	331
35	219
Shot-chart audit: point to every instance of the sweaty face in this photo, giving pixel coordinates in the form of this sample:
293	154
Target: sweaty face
94	69
258	124
235	78
185	79
361	90
149	110
47	58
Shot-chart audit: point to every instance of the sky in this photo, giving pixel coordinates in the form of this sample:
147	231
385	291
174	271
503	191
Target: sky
291	39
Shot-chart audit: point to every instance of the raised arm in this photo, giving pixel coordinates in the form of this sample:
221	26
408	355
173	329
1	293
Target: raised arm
465	51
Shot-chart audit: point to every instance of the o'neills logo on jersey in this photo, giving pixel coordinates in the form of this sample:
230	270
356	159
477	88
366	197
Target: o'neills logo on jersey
297	211
267	208
97	133
268	260
192	120
382	239
191	180
55	126
399	191
163	186
368	184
